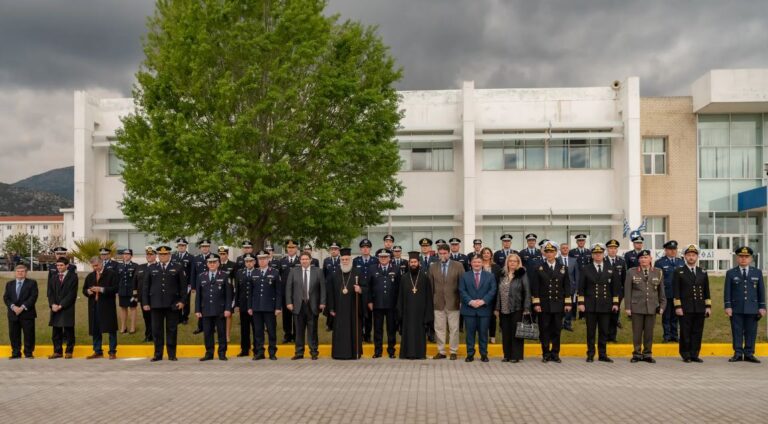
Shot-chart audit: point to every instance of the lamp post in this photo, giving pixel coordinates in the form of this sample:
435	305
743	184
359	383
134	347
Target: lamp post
31	253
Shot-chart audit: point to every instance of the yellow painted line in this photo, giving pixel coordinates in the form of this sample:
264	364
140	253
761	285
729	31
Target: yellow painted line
494	350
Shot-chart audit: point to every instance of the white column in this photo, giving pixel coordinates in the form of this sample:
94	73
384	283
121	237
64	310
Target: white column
468	147
84	164
630	99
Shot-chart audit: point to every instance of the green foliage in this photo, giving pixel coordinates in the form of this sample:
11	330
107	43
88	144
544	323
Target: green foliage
260	119
19	243
87	248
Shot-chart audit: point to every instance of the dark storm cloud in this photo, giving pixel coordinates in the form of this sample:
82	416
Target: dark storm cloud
48	48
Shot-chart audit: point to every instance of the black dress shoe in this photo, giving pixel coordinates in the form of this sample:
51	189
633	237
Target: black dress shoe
272	358
505	360
469	359
687	360
297	357
590	359
736	358
634	359
156	358
197	331
14	357
376	355
605	359
545	359
314	357
453	357
556	359
258	357
439	356
242	354
697	360
391	356
223	358
514	361
483	358
206	358
752	359
649	359
172	358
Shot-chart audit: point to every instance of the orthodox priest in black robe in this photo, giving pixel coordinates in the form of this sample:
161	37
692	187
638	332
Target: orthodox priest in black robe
414	310
345	304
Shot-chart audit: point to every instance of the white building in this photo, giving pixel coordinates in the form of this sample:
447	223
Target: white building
49	229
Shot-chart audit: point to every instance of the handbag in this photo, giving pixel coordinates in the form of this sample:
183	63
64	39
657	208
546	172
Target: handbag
527	330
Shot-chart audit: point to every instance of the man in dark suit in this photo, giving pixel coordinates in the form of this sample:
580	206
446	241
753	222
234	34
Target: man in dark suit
101	288
598	297
383	284
185	259
62	294
138	276
550	296
286	264
693	304
330	265
363	264
477	288
165	286
265	305
500	257
531	253
306	293
572	268
745	311
613	260
20	297
198	268
213	305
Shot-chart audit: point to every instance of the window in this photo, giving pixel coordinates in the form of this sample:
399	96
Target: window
426	158
656	232
115	163
654	156
547	154
45	227
7	227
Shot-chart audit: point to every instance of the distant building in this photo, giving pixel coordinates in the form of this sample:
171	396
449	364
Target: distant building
48	228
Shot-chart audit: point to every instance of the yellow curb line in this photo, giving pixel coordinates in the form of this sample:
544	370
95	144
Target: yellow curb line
494	350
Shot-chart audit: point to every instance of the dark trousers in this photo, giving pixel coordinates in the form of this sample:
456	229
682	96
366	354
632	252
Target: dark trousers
512	346
147	315
669	322
164	325
368	324
15	330
379	315
642	334
691	330
597	322
262	320
58	334
246	323
477	326
744	330
184	317
613	326
550	326
306	325
219	325
288	324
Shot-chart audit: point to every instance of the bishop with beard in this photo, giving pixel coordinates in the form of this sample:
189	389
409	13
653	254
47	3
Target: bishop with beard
346	306
414	309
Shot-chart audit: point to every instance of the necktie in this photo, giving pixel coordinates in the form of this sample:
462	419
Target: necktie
599	269
477	280
610	261
212	277
744	274
445	269
61	279
645	272
18	288
693	271
263	273
306	284
248	273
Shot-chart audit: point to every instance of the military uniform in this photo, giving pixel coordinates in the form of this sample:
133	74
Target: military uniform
138	282
265	297
550	290
598	293
165	286
668	266
620	271
582	255
529	256
690	290
286	263
187	261
744	294
127	293
644	297
199	267
363	266
383	287
500	256
399	263
244	278
214	298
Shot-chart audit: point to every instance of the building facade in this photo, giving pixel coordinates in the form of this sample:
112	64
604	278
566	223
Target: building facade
49	229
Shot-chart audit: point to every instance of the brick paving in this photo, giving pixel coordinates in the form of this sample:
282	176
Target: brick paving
380	391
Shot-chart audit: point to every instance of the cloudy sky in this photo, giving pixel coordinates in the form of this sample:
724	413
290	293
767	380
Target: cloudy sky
49	48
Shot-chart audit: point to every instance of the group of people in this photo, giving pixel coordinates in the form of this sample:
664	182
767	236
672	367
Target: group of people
422	296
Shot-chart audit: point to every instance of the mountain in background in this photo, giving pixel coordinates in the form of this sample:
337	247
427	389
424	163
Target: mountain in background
26	201
57	181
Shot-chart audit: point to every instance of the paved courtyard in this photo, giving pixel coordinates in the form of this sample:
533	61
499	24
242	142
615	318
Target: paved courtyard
381	391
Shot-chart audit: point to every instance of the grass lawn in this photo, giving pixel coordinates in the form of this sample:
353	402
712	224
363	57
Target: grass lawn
716	329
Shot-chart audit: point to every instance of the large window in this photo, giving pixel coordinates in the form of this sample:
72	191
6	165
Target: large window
115	163
656	232
547	154
432	158
654	156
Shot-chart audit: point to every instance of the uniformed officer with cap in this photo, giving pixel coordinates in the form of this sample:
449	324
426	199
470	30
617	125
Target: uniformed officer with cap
105	254
59	252
165	285
582	255
456	254
244	278
199	267
265	305
668	264
287	262
363	264
550	297
631	256
330	265
308	249
398	261
389	241
384	286
692	301
213	305
744	297
138	277
127	292
619	266
598	298
477	245
273	262
227	265
644	298
500	257
531	252
426	257
187	262
246	247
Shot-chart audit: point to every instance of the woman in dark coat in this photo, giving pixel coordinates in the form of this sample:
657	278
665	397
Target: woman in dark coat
62	294
101	289
489	265
513	301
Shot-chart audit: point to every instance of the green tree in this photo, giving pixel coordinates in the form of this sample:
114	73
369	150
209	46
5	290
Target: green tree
19	243
260	119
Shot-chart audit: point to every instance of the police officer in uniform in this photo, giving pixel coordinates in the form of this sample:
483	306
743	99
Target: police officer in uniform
690	289
290	260
619	267
598	299
273	261
213	305
246	247
138	281
185	259
550	296
265	304
531	252
165	285
228	266
582	255
426	257
477	245
127	291
59	252
500	257
389	241
456	254
363	265
384	286
200	266
330	265
398	261
668	264
105	253
631	257
244	278
744	296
